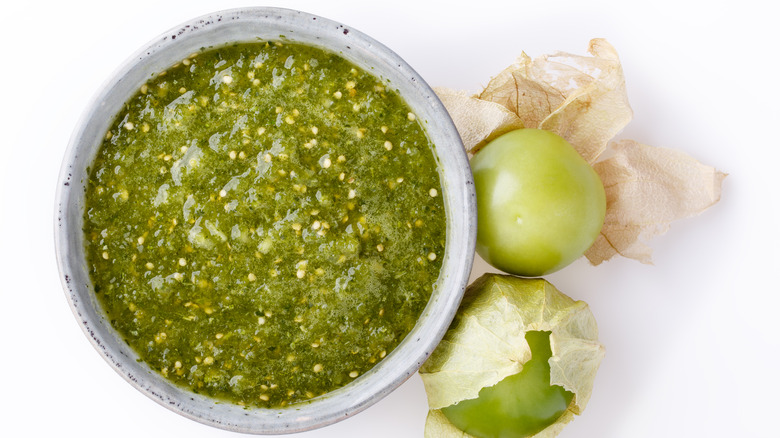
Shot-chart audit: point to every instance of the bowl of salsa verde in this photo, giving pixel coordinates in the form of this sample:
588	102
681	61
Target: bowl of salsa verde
265	220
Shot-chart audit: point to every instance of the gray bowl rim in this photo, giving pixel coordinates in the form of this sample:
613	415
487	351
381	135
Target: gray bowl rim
343	402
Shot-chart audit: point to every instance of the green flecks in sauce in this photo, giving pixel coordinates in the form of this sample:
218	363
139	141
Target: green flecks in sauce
263	223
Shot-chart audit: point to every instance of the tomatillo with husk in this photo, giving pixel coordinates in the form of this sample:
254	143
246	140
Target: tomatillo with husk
519	360
519	406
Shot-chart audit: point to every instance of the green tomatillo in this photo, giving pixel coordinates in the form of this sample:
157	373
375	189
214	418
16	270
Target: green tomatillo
519	406
540	205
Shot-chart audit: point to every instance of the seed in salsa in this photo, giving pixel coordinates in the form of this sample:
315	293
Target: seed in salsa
263	222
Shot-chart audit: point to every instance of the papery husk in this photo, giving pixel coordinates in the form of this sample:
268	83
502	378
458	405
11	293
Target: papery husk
647	188
492	121
584	100
486	343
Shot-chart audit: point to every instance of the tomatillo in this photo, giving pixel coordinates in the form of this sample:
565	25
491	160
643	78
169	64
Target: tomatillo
540	205
519	406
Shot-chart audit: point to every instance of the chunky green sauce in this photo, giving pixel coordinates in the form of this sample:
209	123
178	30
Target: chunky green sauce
264	222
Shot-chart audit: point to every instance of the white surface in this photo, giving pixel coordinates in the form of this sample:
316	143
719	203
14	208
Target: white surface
692	341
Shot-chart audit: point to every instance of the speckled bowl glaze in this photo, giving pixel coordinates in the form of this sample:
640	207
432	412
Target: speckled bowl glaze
250	25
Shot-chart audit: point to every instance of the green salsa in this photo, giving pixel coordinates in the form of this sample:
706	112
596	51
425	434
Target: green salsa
264	223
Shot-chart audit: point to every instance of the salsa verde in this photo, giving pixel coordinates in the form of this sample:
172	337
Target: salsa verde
264	223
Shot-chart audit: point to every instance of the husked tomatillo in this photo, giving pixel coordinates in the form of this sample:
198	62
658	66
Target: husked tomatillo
540	204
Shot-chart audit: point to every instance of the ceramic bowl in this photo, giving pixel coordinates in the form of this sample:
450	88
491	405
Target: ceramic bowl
250	25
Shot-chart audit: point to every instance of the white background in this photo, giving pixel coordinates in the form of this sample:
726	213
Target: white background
692	341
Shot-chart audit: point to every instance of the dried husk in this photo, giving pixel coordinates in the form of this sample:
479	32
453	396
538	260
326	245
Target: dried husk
584	100
647	188
486	343
480	120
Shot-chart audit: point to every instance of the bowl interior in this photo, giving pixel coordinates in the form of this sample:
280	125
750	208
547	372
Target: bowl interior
246	25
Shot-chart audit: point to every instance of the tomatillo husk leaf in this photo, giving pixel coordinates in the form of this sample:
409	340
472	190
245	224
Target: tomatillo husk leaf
584	100
494	120
486	343
647	188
